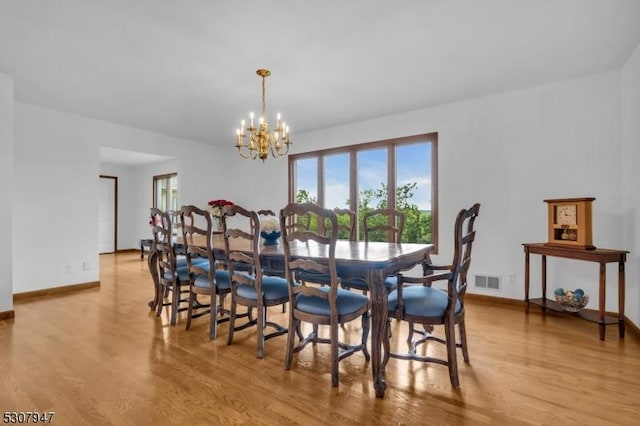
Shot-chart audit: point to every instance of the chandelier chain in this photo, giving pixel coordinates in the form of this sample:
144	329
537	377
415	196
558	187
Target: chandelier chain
264	103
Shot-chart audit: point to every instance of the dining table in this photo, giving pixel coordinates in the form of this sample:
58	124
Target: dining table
372	261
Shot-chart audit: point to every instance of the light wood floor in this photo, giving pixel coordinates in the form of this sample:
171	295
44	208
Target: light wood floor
101	357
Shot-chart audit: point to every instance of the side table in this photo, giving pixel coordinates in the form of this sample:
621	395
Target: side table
600	256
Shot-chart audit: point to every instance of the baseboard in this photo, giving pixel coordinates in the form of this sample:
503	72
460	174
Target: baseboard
630	327
7	315
129	250
18	297
483	298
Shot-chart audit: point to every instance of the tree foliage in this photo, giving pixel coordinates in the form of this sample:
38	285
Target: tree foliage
417	227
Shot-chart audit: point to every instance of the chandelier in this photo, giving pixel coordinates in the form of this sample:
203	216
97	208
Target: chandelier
260	141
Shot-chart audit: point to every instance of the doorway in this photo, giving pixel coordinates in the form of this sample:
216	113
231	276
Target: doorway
108	218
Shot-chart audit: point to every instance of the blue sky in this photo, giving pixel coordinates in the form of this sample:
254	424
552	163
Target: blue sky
413	164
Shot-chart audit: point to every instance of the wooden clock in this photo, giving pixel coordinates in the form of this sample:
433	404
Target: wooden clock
569	223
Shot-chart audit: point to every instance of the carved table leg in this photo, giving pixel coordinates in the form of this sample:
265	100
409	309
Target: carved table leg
378	297
152	262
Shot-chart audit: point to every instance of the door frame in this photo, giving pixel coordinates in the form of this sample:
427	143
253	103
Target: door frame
115	210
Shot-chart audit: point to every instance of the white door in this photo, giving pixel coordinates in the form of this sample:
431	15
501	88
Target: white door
107	214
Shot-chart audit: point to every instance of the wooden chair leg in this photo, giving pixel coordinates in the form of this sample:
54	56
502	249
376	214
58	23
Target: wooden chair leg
450	335
261	322
410	336
463	341
232	319
213	315
175	302
334	355
192	299
294	326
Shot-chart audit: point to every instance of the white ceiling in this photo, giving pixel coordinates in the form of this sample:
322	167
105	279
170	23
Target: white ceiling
129	158
187	68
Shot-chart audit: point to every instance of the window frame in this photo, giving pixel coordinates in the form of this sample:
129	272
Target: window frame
352	151
157	179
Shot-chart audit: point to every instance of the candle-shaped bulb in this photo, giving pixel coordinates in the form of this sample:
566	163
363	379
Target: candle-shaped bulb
251	119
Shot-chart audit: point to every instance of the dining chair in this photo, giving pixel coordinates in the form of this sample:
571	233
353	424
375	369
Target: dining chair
417	302
204	277
172	275
379	225
320	304
383	225
249	286
346	226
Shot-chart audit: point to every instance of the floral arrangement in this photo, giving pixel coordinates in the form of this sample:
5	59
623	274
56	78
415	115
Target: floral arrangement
269	224
155	220
217	205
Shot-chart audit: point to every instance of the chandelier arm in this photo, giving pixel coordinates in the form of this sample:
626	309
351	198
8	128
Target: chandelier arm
248	155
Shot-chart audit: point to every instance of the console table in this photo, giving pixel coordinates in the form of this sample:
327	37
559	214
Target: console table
600	256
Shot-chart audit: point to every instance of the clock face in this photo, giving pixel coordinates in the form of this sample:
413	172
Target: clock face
566	214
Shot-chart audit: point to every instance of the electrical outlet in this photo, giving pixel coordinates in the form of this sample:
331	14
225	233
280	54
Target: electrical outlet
67	269
86	266
512	279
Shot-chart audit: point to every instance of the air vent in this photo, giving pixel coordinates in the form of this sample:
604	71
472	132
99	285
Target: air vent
488	281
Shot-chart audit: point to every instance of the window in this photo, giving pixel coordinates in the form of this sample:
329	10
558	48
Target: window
165	192
358	177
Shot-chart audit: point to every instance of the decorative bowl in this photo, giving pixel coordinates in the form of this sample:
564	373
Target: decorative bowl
572	302
270	238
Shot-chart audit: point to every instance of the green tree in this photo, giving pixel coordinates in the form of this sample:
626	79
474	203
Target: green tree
417	227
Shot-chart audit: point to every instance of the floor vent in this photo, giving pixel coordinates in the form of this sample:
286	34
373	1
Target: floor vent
488	281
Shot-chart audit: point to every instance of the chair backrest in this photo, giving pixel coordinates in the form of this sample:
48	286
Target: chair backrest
383	225
241	246
161	226
162	229
309	267
346	226
265	212
197	234
464	236
298	223
456	273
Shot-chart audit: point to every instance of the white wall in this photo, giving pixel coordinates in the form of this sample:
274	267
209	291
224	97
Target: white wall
509	152
630	89
56	169
6	191
127	202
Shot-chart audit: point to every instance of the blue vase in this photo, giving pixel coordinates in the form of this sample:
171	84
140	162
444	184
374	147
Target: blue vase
271	238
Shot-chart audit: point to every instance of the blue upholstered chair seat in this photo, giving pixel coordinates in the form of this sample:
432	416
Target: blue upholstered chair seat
181	262
422	301
221	277
347	302
183	274
273	288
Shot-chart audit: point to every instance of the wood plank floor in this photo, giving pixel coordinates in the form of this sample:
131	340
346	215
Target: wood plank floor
99	356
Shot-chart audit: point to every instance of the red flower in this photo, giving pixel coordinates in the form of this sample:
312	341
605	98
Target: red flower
220	203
